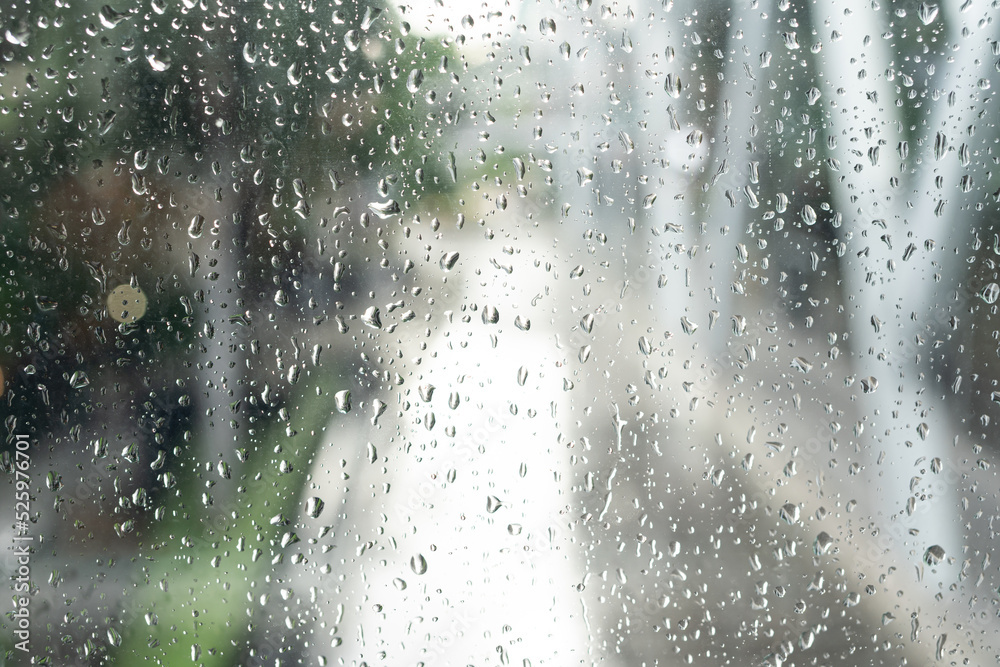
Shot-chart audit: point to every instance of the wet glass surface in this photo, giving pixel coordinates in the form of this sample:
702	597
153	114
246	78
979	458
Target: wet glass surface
649	333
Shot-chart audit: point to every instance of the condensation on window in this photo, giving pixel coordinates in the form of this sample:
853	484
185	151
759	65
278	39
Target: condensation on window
533	333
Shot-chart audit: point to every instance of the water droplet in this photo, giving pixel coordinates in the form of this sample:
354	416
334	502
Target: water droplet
822	543
378	408
352	39
294	74
395	144
525	53
927	12
250	52
46	303
372	317
196	227
869	384
802	364
939	647
789	513
385	210
940	145
547	26
522	323
114	637
990	293
519	168
448	260
627	45
371	13
418	564
809	215
159	61
739	325
493	504
281	298
934	555
673	85
645	346
314	507
79	380
111	17
125	527
123	233
342	399
414	80
426	392
813	95
626	141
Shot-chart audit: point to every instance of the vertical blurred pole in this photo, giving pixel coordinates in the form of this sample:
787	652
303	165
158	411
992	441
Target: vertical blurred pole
940	207
234	199
888	299
730	204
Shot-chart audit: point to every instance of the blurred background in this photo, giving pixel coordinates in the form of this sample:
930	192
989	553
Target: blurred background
534	333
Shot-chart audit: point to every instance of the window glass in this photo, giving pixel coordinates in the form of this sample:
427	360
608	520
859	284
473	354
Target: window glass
533	333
